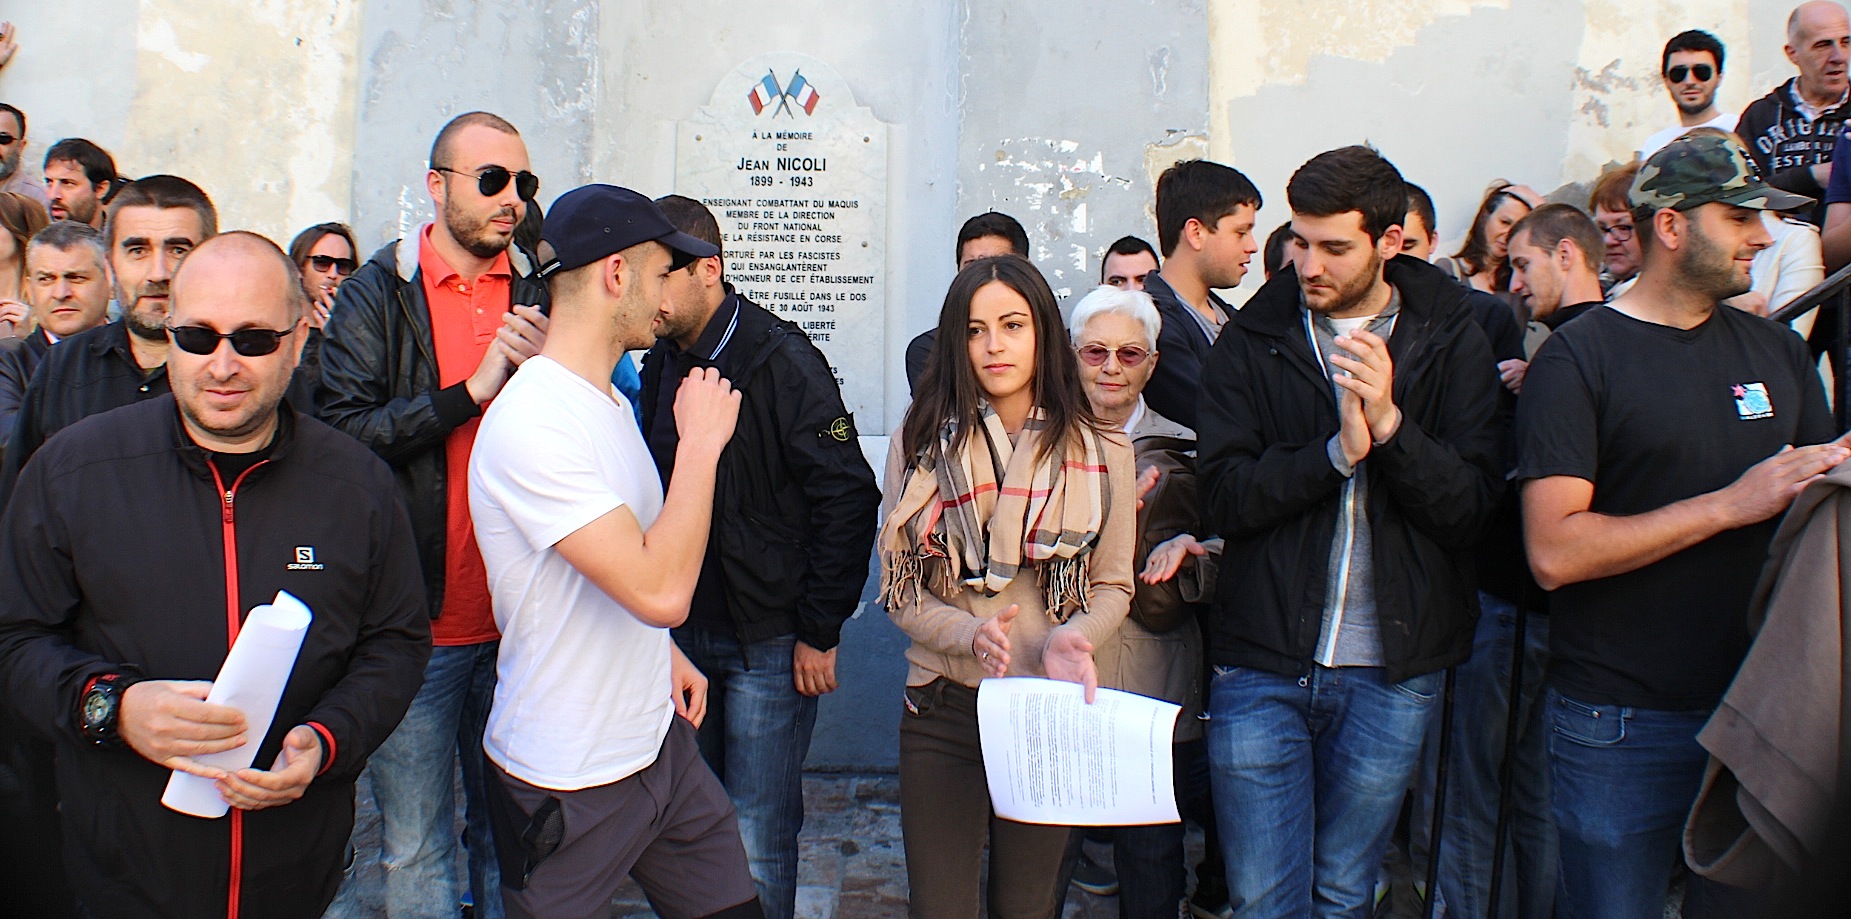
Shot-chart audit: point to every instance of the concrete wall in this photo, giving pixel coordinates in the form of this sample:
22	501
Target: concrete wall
1069	139
1060	112
1458	93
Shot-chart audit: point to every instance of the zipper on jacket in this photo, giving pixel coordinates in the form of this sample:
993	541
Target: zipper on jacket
228	498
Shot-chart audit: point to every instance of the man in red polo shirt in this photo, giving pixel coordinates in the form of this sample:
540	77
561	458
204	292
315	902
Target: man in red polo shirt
421	338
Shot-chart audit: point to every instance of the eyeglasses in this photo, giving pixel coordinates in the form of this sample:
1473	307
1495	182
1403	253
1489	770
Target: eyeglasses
326	263
6	140
249	342
1128	355
492	180
1702	71
1620	232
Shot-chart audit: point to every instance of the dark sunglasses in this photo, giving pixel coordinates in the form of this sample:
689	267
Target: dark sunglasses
249	342
1678	73
323	263
1128	356
6	140
492	180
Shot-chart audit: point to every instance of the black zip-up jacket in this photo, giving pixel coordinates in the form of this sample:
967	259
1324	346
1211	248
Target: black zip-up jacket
1785	146
18	358
1269	488
379	384
123	551
90	372
1176	385
795	503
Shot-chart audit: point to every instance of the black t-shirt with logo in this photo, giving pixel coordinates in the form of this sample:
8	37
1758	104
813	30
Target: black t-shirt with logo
1652	415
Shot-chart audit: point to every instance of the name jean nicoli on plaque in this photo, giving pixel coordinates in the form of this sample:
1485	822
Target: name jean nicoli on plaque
796	173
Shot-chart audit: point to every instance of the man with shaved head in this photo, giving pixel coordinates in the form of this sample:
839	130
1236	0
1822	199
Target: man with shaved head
107	637
1790	132
419	341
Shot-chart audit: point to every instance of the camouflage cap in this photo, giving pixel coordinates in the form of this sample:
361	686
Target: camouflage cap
1703	167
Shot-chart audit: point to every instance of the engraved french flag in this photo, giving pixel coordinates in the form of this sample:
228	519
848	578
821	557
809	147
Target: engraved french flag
762	94
804	94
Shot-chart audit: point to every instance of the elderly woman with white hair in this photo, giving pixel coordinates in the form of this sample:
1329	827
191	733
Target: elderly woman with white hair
1158	650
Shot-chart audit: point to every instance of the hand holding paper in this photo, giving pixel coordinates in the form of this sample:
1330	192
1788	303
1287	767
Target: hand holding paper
169	722
250	682
295	768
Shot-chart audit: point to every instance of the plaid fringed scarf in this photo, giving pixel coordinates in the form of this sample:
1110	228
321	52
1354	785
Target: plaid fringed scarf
955	523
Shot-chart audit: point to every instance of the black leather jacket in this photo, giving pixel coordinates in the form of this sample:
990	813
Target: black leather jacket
379	384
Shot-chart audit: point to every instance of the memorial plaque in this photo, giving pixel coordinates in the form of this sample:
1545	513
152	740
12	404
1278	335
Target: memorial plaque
796	174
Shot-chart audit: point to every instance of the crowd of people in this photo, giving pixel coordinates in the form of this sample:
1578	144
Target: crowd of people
1453	553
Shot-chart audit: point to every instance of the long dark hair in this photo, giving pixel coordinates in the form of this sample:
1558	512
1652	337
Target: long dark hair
949	389
1476	253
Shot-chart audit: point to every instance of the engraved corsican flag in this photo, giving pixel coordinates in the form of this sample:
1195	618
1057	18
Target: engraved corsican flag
763	92
804	94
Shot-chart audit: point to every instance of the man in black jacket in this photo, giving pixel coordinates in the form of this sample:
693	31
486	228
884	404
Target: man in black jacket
1205	214
1349	458
1791	132
794	513
67	276
153	223
105	636
421	337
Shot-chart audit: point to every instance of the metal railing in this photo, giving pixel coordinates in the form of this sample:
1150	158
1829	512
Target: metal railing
1834	295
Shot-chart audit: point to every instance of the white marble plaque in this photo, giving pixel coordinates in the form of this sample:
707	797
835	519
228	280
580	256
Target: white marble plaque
796	173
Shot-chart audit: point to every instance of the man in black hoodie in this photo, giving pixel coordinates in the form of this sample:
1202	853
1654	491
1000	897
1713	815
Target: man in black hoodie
106	635
794	515
1349	458
1790	133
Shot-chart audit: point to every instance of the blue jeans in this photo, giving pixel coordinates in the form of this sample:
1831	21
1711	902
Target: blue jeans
755	736
1481	711
1622	781
413	776
1308	776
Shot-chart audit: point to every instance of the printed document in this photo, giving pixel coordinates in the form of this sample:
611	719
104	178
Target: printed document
1051	758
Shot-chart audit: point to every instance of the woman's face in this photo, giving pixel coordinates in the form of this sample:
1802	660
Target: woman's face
1497	228
9	247
1002	343
1111	385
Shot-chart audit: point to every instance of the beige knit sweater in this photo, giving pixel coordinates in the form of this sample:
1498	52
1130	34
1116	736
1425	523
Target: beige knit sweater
942	627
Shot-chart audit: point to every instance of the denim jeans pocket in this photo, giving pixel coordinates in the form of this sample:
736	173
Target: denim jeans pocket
1588	725
1422	689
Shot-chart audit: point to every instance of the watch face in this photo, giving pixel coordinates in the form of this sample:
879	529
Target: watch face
97	707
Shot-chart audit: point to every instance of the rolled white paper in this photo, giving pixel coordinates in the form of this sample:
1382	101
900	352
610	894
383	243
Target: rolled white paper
251	680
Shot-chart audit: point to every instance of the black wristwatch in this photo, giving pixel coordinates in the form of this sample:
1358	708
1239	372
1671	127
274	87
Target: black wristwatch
101	705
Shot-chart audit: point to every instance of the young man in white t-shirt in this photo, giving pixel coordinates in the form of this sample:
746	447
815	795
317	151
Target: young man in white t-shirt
589	567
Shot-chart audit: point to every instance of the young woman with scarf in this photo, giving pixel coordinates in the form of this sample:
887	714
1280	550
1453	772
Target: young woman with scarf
1006	550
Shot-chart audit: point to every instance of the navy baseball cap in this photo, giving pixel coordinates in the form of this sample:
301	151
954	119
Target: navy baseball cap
593	221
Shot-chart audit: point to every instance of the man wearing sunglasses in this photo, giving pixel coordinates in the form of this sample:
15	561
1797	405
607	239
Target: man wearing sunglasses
1692	68
16	174
420	339
153	224
106	635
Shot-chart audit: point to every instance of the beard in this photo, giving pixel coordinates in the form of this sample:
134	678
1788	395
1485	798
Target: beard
1709	268
1349	291
140	322
10	164
1694	109
480	237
